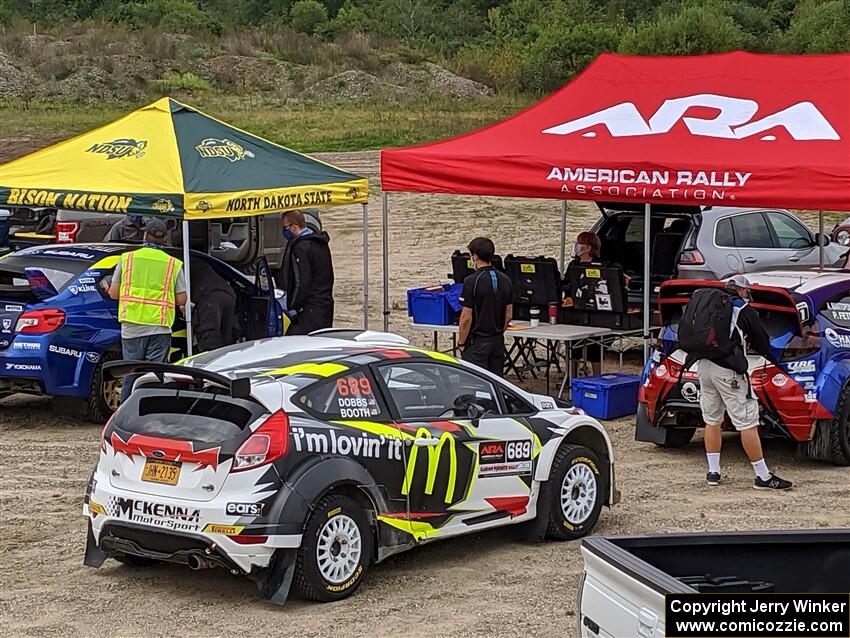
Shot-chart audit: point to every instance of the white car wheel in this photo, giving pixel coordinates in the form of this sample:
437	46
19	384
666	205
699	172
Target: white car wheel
578	493
338	549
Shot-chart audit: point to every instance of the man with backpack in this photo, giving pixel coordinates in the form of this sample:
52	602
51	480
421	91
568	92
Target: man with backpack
716	327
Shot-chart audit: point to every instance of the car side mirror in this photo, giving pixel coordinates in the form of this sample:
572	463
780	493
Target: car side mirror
821	239
475	412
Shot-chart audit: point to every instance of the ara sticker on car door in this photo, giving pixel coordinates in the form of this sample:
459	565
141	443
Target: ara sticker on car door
505	458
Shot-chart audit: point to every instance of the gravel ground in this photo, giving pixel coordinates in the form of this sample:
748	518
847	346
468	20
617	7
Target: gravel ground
486	585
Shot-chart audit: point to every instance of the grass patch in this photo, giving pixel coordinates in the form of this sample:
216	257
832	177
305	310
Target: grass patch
181	82
303	127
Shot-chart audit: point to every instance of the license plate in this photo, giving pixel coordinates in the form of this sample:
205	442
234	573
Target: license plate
161	472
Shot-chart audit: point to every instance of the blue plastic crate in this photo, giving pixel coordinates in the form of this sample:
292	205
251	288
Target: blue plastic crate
607	396
436	307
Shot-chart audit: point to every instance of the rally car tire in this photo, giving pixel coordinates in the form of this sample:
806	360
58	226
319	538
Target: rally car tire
577	493
99	408
336	550
839	430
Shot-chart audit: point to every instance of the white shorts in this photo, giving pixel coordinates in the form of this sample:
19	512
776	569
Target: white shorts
723	390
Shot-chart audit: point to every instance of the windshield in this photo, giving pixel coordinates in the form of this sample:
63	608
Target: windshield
59	272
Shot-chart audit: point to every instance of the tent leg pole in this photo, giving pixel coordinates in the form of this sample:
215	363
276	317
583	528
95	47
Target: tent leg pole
365	266
647	284
820	238
188	275
563	235
385	213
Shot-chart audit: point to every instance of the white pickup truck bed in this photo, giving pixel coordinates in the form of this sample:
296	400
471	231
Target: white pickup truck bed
622	588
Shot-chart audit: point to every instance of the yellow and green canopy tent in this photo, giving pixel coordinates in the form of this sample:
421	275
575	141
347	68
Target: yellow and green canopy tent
170	159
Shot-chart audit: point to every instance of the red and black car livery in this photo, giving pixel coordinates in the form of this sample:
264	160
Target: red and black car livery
806	399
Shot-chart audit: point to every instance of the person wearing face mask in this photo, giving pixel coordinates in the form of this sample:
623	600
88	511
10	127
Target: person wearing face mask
586	250
308	276
725	387
130	229
487	299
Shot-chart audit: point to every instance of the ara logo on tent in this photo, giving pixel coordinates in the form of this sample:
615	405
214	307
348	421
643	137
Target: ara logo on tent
125	147
212	147
732	120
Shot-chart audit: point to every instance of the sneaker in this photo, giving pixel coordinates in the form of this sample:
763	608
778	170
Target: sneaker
773	482
713	478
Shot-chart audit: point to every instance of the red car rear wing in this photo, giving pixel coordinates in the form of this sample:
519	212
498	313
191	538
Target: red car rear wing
675	293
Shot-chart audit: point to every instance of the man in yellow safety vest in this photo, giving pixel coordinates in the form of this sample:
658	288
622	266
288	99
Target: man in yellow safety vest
149	285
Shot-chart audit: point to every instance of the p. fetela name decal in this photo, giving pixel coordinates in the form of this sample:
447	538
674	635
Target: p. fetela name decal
663	184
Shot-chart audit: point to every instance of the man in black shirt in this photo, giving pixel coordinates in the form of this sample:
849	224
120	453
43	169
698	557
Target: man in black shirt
487	299
308	276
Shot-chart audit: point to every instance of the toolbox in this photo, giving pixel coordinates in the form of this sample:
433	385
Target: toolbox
462	266
437	305
607	396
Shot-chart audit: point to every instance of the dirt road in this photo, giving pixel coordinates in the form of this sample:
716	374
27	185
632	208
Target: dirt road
487	585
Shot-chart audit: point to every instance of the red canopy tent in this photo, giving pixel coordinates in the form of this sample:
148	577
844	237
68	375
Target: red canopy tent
734	129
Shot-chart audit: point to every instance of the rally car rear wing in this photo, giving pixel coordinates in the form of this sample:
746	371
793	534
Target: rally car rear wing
239	388
675	293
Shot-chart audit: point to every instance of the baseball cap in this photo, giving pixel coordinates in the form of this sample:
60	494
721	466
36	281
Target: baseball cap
156	228
739	281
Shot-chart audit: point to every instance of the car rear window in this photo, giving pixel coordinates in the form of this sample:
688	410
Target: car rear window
58	271
186	415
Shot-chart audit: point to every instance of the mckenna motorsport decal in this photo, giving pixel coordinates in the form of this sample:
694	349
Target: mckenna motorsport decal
802	121
231	151
504	458
837	339
120	148
7	325
331	441
245	509
172	517
279	202
798	367
68	352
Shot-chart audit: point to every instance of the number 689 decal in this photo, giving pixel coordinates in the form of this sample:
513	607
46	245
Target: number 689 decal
518	451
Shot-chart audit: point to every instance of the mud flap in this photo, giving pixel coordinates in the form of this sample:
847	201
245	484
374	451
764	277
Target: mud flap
275	584
534	531
645	431
94	555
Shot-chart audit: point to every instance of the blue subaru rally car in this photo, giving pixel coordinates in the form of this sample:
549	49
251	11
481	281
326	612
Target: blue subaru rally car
58	326
805	399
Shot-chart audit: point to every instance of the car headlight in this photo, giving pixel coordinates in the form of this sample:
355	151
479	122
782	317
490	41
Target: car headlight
843	237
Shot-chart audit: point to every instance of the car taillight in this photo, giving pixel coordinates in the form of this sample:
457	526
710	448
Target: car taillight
66	232
248	540
691	258
40	321
267	443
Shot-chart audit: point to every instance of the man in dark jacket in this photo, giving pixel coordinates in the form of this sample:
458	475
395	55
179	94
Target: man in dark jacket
308	276
214	310
725	388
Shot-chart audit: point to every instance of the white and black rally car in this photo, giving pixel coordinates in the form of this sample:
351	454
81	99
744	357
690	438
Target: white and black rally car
303	460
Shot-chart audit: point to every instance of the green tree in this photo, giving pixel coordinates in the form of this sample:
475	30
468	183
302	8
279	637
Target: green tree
308	16
692	30
822	27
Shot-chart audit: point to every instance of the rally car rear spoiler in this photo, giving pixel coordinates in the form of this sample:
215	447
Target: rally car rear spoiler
237	388
675	293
